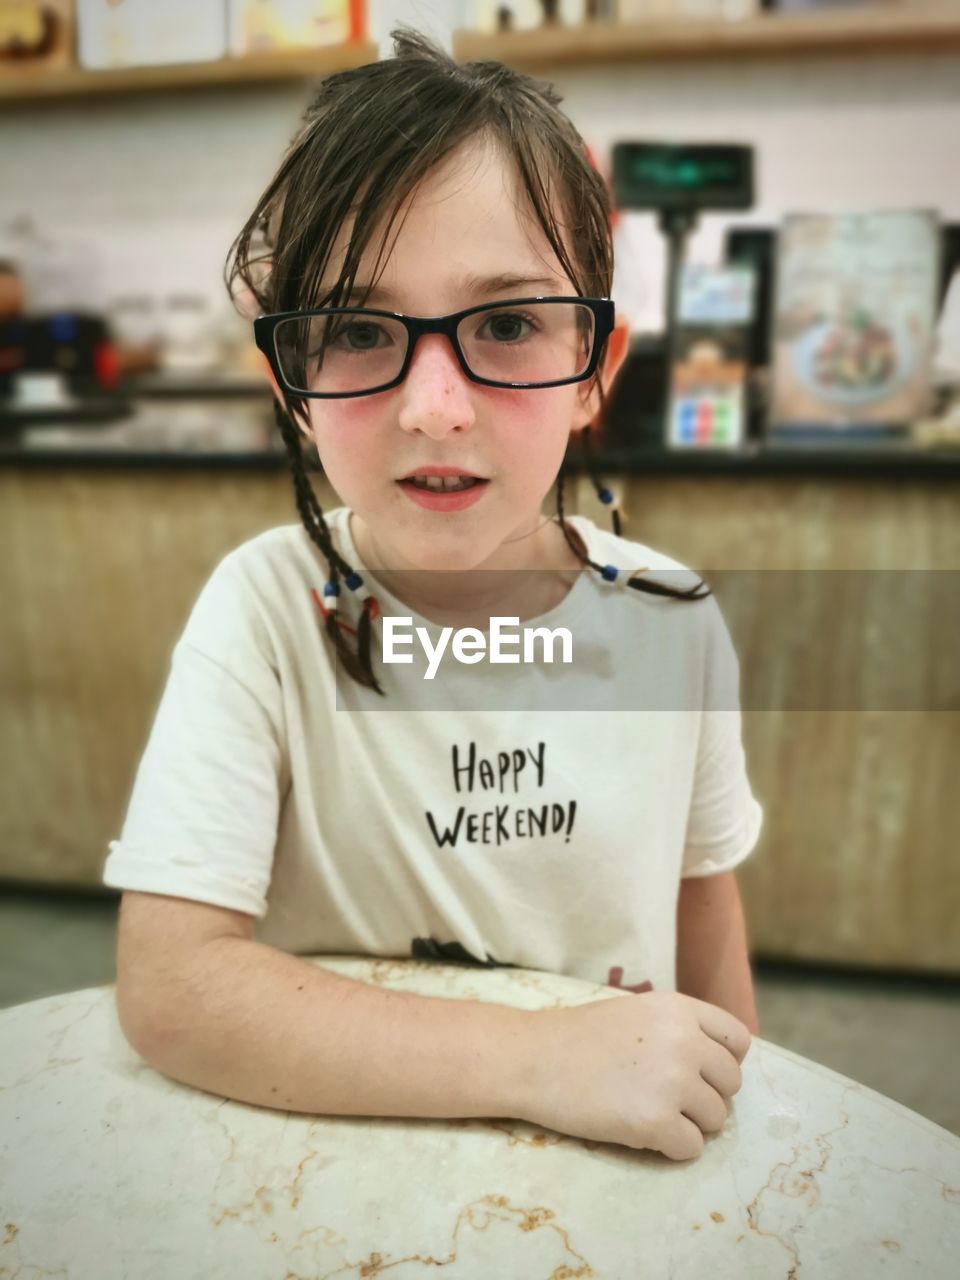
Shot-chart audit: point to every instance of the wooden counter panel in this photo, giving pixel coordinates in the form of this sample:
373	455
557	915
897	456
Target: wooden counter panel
729	522
857	861
101	570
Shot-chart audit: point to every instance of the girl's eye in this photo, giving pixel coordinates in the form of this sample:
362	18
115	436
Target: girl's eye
359	335
505	325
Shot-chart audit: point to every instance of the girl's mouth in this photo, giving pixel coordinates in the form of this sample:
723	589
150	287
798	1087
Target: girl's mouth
445	499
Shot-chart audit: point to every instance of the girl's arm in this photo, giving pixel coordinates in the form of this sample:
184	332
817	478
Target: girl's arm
713	963
240	1019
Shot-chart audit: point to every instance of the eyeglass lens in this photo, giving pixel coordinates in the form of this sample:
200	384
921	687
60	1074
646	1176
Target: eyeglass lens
530	343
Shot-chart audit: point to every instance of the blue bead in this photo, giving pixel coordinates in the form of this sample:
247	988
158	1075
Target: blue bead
605	495
331	589
62	327
353	580
609	571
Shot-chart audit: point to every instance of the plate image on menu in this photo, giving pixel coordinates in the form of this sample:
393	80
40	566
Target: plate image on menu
854	360
854	320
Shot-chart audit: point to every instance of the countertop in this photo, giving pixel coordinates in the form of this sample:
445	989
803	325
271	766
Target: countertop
890	462
110	1170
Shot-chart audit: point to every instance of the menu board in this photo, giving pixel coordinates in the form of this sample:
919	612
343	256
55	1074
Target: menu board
855	313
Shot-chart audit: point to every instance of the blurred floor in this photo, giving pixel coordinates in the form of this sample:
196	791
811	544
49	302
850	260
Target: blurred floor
899	1035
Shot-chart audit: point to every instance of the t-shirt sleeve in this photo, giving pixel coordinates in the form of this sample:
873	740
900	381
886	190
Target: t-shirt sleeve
202	817
725	818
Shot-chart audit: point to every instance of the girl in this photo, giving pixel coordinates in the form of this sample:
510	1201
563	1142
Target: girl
580	818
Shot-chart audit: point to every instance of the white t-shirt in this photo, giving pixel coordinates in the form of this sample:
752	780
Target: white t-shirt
534	815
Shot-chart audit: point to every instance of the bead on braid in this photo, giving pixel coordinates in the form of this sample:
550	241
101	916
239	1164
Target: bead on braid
606	496
611	572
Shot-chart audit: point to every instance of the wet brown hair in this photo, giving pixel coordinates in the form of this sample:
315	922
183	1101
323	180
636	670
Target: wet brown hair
367	139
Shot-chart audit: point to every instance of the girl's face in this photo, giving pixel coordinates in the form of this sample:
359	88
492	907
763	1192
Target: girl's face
468	218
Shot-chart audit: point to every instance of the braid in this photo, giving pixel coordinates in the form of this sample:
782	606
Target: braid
358	663
609	572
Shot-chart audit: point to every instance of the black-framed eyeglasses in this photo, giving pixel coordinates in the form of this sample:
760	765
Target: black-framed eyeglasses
337	352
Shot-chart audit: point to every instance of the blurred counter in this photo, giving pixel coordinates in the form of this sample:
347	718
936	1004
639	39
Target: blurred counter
190	436
107	547
153	419
228	422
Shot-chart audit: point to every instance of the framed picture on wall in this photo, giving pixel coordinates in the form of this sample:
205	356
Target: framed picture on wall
258	28
140	33
854	321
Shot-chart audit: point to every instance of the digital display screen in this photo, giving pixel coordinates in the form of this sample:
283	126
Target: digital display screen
660	176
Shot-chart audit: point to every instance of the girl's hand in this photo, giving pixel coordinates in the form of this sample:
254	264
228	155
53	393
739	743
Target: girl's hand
652	1071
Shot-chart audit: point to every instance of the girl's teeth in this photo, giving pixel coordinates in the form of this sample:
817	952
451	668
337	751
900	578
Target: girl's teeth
443	482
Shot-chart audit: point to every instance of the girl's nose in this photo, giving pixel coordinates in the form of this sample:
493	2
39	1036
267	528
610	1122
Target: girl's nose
435	392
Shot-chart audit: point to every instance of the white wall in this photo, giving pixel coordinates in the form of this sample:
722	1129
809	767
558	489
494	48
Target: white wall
158	184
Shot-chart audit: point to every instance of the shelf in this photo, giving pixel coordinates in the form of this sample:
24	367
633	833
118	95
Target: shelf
92	411
18	85
904	463
931	26
889	462
207	386
925	26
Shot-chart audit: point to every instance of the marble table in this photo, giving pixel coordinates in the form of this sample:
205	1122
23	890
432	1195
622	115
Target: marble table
110	1170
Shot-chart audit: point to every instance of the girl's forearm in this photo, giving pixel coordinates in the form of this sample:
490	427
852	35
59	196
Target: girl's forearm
255	1024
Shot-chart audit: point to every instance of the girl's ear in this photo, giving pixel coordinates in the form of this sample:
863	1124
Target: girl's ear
278	395
613	357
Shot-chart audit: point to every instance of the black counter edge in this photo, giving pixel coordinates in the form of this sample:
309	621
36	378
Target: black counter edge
914	464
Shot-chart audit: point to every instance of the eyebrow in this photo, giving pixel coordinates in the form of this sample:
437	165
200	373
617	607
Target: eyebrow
471	285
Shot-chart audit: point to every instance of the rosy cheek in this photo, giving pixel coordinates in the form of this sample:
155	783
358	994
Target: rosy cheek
517	417
350	434
530	422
